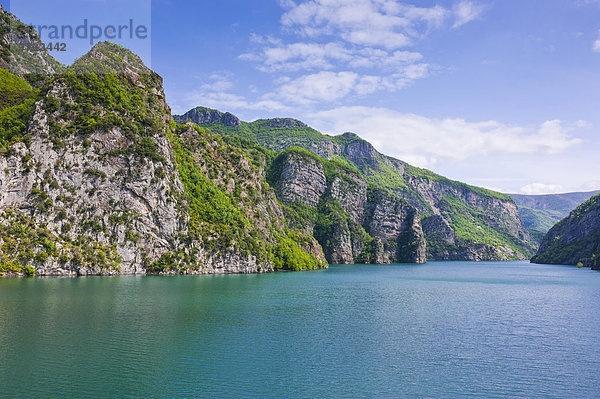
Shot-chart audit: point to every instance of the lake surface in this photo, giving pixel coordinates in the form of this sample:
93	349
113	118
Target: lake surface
444	329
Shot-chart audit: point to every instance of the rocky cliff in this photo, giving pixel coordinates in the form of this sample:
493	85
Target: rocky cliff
96	178
354	223
460	222
575	239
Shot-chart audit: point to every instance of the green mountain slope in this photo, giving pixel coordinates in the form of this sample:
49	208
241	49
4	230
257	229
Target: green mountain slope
575	239
460	221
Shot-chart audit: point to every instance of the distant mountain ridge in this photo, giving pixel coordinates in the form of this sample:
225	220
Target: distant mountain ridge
459	221
541	212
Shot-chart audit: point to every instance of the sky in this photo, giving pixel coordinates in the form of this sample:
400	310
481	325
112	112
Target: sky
503	94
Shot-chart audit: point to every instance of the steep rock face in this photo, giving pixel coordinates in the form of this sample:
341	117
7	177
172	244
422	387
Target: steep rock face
109	208
337	242
360	152
206	116
483	223
79	192
301	180
398	226
575	239
244	213
285	122
351	225
351	193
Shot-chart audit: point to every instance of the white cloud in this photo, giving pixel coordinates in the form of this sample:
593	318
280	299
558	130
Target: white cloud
287	3
380	23
425	141
466	11
367	37
583	124
224	101
590	185
596	45
299	56
327	86
322	86
316	56
541	188
218	82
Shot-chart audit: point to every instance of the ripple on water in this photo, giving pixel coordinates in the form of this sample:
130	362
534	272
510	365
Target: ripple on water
445	329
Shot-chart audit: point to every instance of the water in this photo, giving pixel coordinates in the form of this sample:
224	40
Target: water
445	329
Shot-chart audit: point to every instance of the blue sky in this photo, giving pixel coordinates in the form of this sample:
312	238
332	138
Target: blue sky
503	94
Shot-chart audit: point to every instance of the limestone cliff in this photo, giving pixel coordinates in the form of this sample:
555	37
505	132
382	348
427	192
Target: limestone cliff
96	178
459	221
353	222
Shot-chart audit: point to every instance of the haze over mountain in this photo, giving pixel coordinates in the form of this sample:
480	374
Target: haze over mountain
540	213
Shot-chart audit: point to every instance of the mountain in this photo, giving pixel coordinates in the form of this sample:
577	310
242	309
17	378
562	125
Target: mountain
575	240
458	221
98	179
22	53
353	221
540	212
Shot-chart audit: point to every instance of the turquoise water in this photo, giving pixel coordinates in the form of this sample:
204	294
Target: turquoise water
445	329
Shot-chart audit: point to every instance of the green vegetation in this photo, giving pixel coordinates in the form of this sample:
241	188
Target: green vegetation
387	178
266	132
289	255
211	211
14	122
539	219
13	90
100	102
585	250
17	101
104	102
574	239
25	244
300	216
108	59
215	215
472	226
